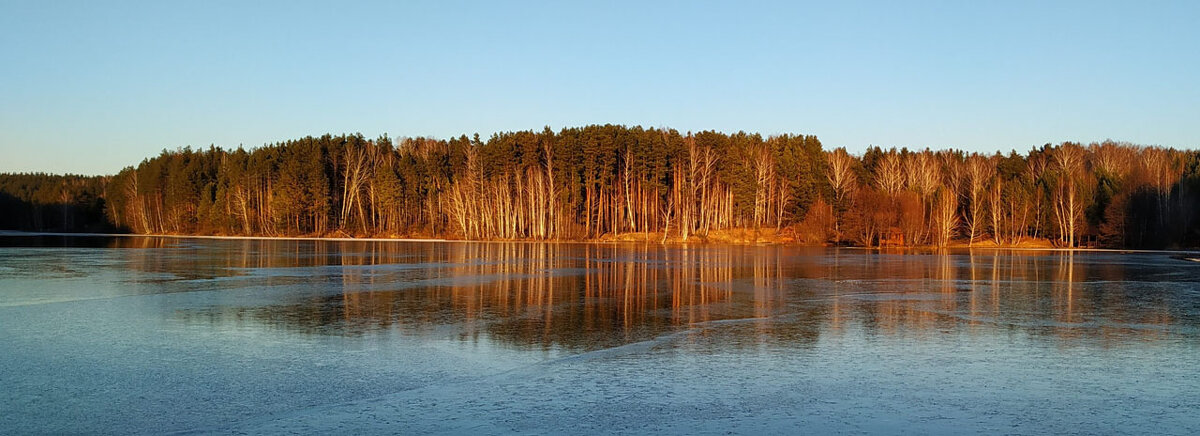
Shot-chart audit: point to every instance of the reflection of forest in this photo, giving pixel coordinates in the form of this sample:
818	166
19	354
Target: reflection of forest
587	296
577	296
1052	293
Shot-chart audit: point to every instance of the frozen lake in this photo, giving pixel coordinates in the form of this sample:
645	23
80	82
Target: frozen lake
153	335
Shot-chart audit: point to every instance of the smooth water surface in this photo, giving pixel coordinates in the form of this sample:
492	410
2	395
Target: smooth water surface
159	335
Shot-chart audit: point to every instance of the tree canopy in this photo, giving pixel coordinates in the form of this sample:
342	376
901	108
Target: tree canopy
592	181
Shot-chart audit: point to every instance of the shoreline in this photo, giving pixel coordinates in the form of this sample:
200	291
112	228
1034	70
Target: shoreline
957	247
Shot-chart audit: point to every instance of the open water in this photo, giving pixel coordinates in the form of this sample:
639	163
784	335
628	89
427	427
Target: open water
121	335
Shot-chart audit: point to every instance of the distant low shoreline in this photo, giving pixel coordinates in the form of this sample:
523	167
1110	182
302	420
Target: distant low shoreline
617	240
280	238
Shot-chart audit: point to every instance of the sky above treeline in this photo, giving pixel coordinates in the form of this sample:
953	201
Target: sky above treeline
90	87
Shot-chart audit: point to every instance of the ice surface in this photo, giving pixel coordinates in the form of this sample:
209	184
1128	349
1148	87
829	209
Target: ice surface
144	335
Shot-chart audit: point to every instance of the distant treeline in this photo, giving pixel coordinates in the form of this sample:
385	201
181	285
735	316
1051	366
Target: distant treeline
58	203
588	182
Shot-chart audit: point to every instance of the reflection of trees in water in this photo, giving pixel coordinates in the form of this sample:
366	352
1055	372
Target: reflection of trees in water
1047	293
572	295
569	295
587	296
618	294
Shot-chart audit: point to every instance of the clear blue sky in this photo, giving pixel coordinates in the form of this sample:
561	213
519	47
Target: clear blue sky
90	87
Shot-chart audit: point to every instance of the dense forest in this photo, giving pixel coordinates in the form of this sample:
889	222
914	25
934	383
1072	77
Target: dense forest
60	203
599	181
